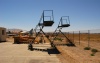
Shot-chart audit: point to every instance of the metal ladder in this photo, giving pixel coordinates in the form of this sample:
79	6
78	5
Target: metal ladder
63	23
45	21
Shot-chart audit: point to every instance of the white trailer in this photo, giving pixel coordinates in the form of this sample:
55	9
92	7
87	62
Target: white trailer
2	34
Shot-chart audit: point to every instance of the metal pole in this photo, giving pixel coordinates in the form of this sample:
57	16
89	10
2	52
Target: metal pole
68	34
73	36
68	20
43	16
79	37
52	15
61	21
88	37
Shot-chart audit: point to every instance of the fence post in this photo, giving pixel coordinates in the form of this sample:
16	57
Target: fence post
79	37
73	36
88	37
68	34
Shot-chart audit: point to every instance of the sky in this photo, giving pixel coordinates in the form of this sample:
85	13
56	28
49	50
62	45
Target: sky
25	14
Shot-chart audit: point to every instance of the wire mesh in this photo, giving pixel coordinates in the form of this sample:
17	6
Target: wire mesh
86	38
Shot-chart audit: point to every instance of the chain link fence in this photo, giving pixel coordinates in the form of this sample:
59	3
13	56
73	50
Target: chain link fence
87	38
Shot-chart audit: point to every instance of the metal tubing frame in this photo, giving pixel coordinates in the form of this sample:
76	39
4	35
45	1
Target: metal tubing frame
61	20
43	15
68	19
50	16
52	45
59	29
62	34
42	26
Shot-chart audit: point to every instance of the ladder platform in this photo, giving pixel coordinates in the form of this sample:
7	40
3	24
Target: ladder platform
64	25
48	23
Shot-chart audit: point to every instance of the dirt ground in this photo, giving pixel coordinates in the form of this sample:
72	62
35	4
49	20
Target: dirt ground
19	53
68	54
77	54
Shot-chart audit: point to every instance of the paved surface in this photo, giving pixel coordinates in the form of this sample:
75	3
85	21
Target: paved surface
18	53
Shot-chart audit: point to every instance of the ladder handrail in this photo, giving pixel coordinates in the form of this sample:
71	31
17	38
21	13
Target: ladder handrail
59	30
41	26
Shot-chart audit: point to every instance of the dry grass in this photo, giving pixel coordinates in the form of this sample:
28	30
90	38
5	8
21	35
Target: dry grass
78	54
84	37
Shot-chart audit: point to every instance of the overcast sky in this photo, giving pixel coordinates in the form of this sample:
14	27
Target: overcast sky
25	14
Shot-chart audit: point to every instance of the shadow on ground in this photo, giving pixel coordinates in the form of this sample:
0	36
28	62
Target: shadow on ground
50	51
53	51
73	45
